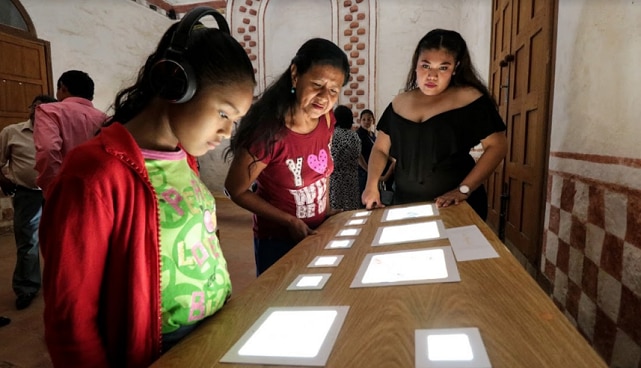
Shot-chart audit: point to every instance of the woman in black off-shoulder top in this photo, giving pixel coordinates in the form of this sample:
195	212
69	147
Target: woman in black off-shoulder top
431	127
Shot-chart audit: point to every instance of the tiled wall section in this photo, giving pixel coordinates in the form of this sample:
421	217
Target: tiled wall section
354	39
592	257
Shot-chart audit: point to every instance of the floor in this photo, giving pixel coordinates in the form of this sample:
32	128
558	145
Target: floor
22	341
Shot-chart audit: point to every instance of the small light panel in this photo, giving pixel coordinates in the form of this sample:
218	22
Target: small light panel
349	232
402	213
289	336
406	267
421	231
449	348
356	222
362	214
307	281
315	281
326	261
340	243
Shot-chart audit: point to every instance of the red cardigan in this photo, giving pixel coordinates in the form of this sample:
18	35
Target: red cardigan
100	242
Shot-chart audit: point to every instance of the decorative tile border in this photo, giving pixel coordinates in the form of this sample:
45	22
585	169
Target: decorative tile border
592	250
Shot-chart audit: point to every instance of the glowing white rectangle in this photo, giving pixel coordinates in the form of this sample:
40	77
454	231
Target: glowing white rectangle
449	348
426	264
326	261
407	267
349	232
402	213
290	334
362	214
311	281
407	233
307	281
355	222
297	336
340	243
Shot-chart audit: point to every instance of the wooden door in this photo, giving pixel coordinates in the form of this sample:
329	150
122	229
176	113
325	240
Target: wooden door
524	74
23	75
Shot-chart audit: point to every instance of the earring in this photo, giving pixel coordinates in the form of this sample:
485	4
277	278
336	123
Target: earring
293	90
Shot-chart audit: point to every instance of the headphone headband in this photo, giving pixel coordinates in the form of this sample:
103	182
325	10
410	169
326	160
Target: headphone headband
172	77
185	26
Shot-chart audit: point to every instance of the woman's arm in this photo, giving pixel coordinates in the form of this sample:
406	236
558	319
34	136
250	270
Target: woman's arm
378	158
390	170
494	150
242	173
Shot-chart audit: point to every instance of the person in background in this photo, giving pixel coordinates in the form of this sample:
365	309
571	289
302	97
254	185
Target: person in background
432	126
346	149
61	126
368	137
18	156
284	145
132	263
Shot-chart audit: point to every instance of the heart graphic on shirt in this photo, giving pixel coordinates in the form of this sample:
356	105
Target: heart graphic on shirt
318	163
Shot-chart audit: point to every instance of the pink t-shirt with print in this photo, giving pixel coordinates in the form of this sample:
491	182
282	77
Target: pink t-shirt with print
296	178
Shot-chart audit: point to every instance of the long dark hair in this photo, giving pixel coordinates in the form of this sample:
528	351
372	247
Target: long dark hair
216	59
453	43
265	120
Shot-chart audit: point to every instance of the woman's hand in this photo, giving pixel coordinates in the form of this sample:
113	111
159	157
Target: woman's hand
371	198
453	197
298	230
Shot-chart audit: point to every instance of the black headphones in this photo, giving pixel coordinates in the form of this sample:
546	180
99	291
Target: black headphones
172	78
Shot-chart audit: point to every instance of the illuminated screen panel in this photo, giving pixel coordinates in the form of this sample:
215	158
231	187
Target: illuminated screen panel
353	231
289	336
409	212
315	281
407	267
340	244
356	221
409	233
326	261
449	348
362	214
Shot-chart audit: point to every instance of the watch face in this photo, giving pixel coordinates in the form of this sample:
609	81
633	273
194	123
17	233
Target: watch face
464	189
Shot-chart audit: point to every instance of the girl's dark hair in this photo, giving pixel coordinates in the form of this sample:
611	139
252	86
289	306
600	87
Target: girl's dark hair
216	59
265	121
344	117
453	43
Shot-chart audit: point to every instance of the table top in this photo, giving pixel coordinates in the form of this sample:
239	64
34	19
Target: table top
519	324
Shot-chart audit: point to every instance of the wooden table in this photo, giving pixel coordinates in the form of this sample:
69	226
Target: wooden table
519	324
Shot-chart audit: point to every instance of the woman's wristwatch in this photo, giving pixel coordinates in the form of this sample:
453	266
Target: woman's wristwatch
464	189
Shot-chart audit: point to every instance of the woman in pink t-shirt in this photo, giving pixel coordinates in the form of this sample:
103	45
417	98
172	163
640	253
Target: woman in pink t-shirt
283	144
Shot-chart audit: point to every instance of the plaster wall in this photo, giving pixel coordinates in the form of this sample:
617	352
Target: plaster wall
108	39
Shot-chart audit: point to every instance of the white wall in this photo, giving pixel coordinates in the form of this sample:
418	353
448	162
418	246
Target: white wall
596	91
108	39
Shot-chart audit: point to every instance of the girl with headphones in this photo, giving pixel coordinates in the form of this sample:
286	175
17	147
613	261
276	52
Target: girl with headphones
132	260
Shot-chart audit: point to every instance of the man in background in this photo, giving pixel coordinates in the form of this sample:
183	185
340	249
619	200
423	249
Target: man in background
18	157
61	126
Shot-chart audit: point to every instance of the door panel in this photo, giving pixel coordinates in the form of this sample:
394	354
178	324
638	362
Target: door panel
23	75
524	108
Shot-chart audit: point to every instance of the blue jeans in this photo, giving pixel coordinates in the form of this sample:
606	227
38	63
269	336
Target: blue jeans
27	210
268	251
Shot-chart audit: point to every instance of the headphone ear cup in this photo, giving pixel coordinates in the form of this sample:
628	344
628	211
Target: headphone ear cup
173	80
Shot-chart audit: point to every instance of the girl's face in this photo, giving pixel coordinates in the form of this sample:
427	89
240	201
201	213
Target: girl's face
434	70
203	122
318	89
366	121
